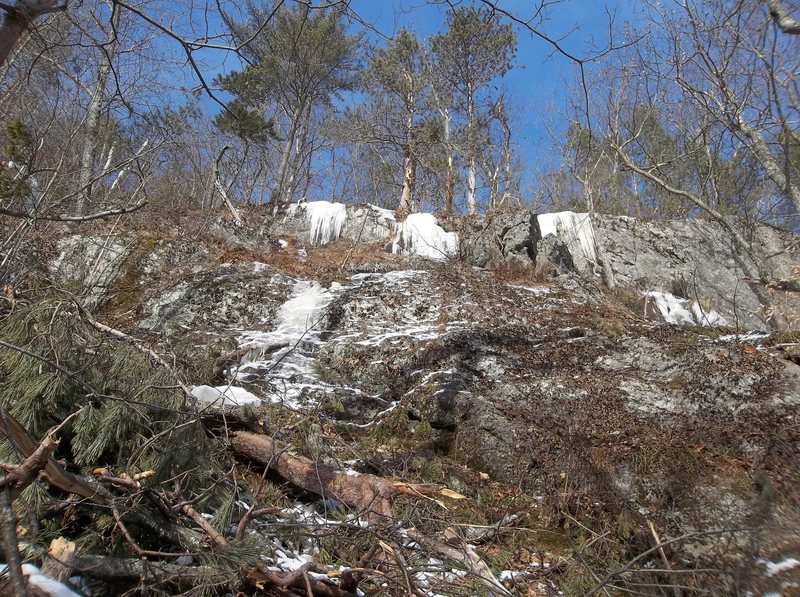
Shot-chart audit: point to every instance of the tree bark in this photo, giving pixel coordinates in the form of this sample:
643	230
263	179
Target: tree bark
278	195
93	114
409	176
18	20
472	206
223	191
778	12
369	494
55	473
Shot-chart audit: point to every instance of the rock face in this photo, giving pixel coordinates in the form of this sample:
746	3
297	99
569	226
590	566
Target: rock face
553	387
694	260
697	260
320	222
91	262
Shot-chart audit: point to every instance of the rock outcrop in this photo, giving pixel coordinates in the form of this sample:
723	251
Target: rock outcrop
554	387
693	260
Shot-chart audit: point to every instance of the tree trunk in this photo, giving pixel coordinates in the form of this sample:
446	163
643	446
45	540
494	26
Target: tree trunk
509	176
369	494
406	199
771	165
18	20
278	194
472	206
296	164
90	134
449	181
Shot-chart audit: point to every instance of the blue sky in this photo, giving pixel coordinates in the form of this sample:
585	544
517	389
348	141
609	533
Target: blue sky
543	80
540	85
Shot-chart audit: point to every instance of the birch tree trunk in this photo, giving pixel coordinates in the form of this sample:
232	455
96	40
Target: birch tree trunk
472	205
449	181
409	164
299	145
90	133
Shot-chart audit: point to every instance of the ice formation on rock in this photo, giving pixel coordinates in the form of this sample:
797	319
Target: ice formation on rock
326	219
568	225
276	356
420	234
682	311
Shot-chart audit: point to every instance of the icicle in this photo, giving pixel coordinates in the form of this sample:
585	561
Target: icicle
420	234
568	225
326	219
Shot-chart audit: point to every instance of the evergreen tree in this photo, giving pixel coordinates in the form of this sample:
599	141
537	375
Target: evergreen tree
397	82
298	61
473	52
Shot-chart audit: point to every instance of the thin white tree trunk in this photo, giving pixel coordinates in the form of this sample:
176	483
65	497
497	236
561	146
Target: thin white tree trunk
472	205
223	191
279	195
409	164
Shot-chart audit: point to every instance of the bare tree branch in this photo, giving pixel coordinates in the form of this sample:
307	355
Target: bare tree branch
19	19
778	12
66	218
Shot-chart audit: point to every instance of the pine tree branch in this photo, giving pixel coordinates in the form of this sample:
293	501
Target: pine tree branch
23	475
141	347
55	474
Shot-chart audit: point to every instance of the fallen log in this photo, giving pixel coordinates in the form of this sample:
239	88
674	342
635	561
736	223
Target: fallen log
369	494
117	571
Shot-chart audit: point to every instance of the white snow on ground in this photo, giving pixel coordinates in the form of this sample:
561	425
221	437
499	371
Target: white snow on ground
567	225
681	311
775	568
420	234
746	337
225	395
327	219
537	290
46	585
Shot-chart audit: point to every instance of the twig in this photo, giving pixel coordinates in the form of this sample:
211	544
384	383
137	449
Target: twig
207	527
65	218
12	548
627	567
141	347
250	515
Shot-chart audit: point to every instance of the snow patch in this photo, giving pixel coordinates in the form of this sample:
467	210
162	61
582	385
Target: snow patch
746	337
386	214
568	225
682	311
537	290
775	568
226	395
326	219
46	585
420	234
